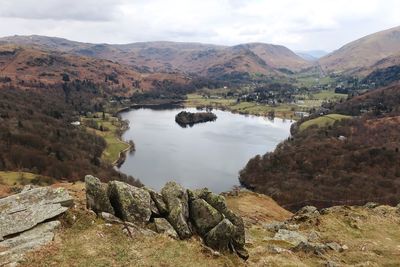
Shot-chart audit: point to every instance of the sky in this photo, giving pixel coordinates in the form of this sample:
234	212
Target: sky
301	25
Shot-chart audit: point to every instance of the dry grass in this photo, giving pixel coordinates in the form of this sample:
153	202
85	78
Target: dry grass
372	235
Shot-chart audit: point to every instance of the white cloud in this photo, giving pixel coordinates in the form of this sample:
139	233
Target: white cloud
301	25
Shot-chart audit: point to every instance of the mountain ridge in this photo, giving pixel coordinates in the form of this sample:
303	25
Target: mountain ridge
360	56
166	56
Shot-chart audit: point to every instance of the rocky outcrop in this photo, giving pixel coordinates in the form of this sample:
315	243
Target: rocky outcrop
25	220
185	118
175	211
24	211
176	198
96	195
130	203
158	202
220	236
237	238
204	216
162	226
289	235
14	248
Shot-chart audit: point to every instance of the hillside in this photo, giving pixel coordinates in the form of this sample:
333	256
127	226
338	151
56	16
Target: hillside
27	67
337	236
36	135
201	59
356	160
364	55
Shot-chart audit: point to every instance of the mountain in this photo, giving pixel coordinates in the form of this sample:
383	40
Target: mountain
364	55
311	55
26	67
172	57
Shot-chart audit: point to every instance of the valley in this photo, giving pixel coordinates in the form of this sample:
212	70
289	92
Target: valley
305	153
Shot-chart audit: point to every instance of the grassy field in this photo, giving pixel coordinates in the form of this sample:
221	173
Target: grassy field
111	125
281	111
10	182
22	178
323	121
310	80
287	111
316	99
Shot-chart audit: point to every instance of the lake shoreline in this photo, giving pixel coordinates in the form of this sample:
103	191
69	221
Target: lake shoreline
157	134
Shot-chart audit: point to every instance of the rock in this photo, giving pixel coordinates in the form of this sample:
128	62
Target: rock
204	216
220	236
292	237
176	199
345	247
158	201
242	252
278	250
130	203
307	247
13	249
313	236
334	246
158	206
162	226
218	202
27	188
154	210
331	264
275	226
306	213
110	218
23	211
371	205
97	196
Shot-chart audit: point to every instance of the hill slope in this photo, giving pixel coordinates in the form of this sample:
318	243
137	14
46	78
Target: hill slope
351	161
362	55
27	67
202	59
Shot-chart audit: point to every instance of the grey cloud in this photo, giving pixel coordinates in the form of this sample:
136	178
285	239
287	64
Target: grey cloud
79	10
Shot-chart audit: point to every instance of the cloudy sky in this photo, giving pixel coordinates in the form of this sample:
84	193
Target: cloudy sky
297	24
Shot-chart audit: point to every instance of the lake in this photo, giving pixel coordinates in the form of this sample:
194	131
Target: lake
206	155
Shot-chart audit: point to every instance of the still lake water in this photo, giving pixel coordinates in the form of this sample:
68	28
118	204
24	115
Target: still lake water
206	155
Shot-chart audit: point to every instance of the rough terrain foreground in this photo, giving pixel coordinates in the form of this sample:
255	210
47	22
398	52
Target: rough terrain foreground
339	236
26	221
179	212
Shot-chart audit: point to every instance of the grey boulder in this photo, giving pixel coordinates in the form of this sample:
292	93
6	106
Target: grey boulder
204	216
176	199
130	203
25	210
220	236
96	195
162	226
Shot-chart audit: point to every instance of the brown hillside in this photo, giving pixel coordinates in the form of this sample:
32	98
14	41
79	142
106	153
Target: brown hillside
202	59
363	55
31	67
350	162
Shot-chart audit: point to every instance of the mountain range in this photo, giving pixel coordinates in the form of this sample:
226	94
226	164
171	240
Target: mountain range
146	62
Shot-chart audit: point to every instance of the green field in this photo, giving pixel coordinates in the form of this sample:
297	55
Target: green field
323	121
22	178
281	111
114	144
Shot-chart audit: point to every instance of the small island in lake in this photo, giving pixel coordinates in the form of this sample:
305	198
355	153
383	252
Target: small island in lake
185	118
